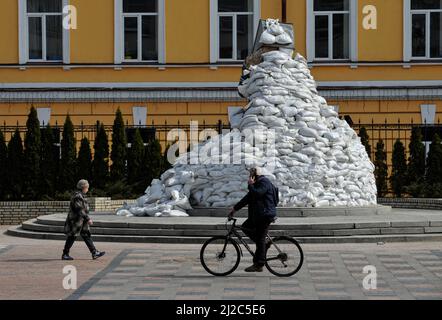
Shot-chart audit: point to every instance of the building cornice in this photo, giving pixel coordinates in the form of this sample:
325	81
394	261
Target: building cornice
214	93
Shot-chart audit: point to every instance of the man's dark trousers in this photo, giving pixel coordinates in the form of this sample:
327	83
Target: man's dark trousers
256	228
86	235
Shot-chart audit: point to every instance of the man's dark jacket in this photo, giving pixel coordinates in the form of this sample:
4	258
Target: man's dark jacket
262	199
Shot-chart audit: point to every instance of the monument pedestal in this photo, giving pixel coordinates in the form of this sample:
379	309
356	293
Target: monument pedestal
287	212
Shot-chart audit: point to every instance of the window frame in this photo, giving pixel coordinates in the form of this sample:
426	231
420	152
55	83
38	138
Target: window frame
139	17
427	13
23	18
120	15
215	16
352	36
330	15
234	16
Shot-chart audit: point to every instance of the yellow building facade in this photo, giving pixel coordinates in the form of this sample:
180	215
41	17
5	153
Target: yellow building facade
176	60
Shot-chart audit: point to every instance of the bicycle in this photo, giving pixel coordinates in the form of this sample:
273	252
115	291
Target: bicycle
225	250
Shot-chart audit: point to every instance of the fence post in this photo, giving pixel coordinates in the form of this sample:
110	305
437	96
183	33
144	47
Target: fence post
220	127
386	141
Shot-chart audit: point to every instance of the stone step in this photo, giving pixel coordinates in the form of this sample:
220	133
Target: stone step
298	212
276	230
195	231
216	224
20	232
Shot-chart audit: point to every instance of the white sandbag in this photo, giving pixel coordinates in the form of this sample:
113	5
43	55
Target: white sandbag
283	39
173	213
315	158
267	38
123	212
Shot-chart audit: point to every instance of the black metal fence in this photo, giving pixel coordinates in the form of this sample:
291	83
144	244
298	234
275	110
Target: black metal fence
388	132
158	131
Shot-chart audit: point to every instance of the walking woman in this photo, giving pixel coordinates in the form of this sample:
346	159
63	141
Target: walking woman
78	222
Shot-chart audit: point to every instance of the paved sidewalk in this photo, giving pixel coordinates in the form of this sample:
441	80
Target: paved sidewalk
31	269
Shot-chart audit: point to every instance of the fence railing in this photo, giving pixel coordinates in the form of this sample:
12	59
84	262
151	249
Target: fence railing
158	131
388	132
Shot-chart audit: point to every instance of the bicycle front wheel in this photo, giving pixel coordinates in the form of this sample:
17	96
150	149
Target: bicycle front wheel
284	257
220	256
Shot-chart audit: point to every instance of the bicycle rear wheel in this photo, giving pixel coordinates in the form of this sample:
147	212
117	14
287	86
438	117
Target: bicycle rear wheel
284	257
220	256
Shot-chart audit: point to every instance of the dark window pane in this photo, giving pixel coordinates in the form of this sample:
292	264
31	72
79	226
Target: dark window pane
244	36
35	38
149	34
139	5
54	38
321	37
331	5
235	5
131	38
418	35
426	4
44	6
340	36
225	37
435	35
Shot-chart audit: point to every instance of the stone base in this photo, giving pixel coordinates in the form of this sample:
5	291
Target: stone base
399	225
298	212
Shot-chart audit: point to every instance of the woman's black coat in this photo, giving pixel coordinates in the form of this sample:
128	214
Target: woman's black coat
78	216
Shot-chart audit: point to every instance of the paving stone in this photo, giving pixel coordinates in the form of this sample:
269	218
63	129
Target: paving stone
405	271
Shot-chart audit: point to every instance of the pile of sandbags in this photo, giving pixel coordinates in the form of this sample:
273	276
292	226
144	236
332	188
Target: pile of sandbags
313	157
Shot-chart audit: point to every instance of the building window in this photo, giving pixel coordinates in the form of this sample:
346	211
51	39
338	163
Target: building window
236	29
44	116
426	29
140	24
139	116
45	30
331	29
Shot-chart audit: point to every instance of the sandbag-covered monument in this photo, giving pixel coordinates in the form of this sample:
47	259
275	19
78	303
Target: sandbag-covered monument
287	128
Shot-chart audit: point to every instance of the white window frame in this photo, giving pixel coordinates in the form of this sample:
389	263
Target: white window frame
23	18
353	32
428	113
408	35
119	33
214	29
139	113
44	115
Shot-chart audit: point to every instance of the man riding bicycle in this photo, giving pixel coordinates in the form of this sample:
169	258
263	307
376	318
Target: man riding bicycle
262	200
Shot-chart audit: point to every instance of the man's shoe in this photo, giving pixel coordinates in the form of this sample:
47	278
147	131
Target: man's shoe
254	268
66	257
97	254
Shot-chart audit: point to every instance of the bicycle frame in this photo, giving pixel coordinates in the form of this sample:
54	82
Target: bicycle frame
234	231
